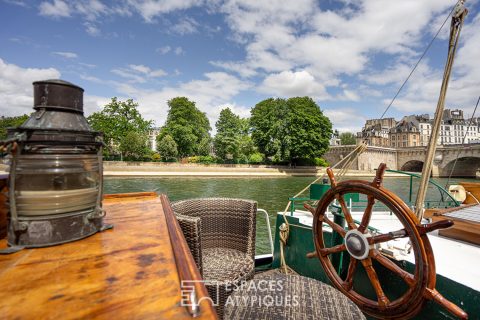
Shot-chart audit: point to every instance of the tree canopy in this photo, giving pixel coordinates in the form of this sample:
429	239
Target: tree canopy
10	122
187	125
290	129
134	146
116	120
347	138
167	147
232	140
227	139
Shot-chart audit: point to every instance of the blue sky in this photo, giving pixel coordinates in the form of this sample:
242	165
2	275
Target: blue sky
350	56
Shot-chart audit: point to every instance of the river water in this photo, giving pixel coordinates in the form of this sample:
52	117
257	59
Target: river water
271	193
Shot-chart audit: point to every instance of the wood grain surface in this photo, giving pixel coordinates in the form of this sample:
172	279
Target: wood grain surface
128	272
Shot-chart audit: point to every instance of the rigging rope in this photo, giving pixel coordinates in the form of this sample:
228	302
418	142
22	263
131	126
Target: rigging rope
284	229
418	62
458	17
463	143
460	12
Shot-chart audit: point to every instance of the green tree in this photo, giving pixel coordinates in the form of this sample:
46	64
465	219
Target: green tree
167	147
187	125
204	147
227	139
10	122
116	120
134	146
290	129
256	158
265	124
232	139
347	138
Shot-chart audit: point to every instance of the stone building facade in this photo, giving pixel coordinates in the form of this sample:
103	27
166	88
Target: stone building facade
415	130
152	138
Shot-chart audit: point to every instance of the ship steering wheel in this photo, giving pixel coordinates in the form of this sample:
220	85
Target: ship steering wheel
360	246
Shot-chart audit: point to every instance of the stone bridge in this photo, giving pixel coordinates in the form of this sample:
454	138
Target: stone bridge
412	158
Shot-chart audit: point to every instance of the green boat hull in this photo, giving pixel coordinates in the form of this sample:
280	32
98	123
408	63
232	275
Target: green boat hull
300	242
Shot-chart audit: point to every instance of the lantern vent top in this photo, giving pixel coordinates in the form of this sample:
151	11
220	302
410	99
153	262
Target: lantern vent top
57	94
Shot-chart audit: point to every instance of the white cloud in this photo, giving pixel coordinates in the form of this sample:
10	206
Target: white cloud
210	94
164	49
394	74
88	65
17	3
93	104
149	9
279	36
56	9
16	87
92	29
139	68
138	73
179	50
343	119
91	9
292	84
349	95
185	26
423	89
91	78
242	69
64	54
157	73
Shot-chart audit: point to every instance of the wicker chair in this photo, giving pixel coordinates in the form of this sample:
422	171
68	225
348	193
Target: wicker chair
276	296
220	233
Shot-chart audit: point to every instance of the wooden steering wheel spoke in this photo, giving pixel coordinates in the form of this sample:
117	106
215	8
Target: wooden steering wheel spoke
383	301
335	227
335	249
402	233
387	263
331	176
378	180
346	213
358	244
367	215
352	266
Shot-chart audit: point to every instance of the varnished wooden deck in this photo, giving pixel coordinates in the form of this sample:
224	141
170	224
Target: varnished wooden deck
129	272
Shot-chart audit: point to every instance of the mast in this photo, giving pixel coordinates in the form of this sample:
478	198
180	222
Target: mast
458	16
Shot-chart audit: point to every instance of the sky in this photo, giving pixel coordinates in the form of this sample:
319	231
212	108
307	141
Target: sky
349	56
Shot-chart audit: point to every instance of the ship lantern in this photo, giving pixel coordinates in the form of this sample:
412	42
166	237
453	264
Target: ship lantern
56	178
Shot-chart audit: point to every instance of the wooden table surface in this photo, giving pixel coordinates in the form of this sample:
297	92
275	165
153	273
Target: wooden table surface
128	272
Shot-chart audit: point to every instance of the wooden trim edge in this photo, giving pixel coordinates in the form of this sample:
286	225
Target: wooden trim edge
187	269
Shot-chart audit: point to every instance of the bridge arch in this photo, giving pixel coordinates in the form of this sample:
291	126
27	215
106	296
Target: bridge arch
412	166
465	167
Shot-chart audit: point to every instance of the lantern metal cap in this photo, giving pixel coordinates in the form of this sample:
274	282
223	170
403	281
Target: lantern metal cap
57	94
57	81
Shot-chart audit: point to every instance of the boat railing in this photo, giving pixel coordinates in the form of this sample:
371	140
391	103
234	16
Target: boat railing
445	197
355	202
269	229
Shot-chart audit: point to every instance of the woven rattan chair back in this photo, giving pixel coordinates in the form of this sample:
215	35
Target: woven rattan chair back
226	223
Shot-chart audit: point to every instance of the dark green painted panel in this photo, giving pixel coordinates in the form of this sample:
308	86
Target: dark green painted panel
300	243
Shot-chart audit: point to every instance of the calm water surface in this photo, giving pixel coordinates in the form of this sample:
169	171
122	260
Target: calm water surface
271	193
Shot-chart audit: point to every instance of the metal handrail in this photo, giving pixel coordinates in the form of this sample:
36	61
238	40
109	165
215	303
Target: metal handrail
439	187
267	218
